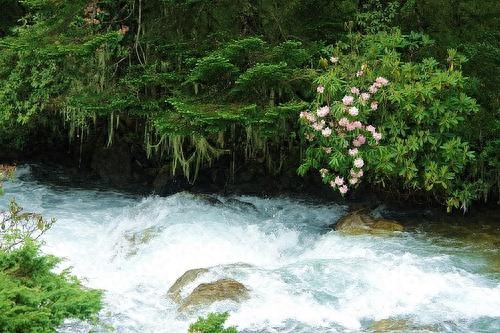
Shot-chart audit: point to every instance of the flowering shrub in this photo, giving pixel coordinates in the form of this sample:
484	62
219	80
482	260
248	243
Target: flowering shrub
394	122
343	119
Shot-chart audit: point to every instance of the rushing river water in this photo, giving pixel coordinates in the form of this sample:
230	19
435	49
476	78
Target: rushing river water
302	277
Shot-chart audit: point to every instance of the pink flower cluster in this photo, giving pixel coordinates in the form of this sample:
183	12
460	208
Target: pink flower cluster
339	183
379	83
323	111
324	123
359	141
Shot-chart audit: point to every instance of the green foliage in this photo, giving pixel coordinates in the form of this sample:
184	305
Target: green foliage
6	171
419	115
35	299
32	297
214	70
80	69
17	227
213	323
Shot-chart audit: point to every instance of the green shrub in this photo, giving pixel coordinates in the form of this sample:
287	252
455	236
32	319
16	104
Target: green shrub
213	323
397	123
35	299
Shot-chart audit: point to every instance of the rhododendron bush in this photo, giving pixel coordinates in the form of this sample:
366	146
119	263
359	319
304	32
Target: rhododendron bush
393	121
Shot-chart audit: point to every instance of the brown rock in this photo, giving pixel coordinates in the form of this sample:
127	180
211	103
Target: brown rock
389	325
387	225
189	276
220	290
358	224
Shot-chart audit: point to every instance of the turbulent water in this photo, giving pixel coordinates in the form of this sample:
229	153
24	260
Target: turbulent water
302	277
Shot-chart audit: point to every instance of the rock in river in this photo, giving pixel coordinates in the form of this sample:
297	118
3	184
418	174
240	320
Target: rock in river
206	293
189	276
220	290
358	223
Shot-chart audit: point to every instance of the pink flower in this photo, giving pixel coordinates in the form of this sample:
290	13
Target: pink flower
373	89
343	122
318	126
334	60
343	189
323	172
361	139
347	100
323	111
357	124
303	114
339	180
358	163
370	128
332	184
353	151
355	91
327	150
377	136
374	105
310	117
351	126
353	181
356	174
353	111
326	132
320	89
382	81
365	96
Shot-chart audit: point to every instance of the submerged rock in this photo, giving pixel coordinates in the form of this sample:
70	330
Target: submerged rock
206	293
241	205
394	325
136	239
358	223
208	199
220	290
188	277
389	325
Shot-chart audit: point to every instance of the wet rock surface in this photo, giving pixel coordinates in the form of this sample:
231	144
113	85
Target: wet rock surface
220	290
358	223
224	289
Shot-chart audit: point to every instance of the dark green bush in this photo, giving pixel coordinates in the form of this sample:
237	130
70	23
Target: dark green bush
213	323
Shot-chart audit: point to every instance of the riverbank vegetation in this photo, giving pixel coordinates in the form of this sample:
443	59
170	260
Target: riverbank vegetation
33	297
198	84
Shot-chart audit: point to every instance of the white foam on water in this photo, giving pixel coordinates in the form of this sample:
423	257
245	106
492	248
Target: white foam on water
301	277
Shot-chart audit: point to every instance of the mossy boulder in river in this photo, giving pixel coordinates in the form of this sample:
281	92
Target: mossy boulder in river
205	293
358	223
188	277
220	290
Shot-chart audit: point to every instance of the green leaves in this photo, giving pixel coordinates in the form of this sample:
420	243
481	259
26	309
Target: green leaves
214	70
34	299
420	115
213	323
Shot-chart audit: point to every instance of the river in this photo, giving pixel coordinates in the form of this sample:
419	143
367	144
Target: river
302	276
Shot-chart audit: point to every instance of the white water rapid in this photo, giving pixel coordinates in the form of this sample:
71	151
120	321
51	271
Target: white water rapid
302	277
